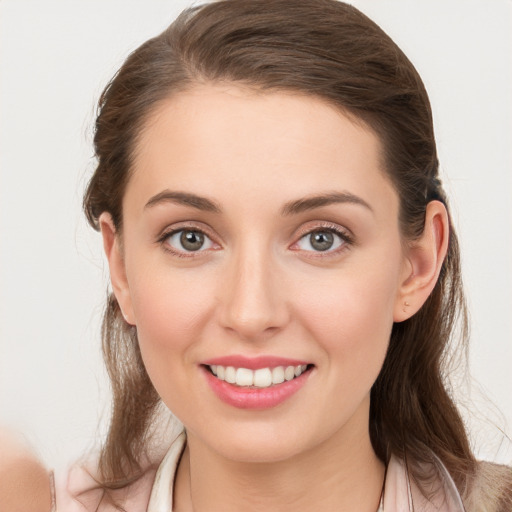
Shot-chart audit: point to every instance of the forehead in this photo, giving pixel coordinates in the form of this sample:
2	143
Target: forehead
221	138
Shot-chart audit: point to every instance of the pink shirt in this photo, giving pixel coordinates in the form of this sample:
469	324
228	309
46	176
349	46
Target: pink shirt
78	490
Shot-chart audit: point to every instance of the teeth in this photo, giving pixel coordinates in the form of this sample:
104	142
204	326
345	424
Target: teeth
244	377
278	375
261	378
289	373
230	375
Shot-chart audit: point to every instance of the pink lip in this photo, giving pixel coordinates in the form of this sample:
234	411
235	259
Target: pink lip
253	363
251	397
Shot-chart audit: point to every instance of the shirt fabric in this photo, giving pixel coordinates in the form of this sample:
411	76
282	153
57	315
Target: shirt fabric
78	491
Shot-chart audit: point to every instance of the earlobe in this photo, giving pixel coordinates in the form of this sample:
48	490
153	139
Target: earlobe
113	252
424	260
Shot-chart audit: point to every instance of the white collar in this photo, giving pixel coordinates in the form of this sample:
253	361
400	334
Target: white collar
400	494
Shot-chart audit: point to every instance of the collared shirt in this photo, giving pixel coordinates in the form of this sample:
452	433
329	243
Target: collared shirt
79	491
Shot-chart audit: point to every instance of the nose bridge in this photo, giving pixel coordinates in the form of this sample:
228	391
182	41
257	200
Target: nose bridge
251	302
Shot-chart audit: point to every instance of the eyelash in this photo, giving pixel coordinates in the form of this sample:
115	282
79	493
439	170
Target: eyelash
182	254
346	239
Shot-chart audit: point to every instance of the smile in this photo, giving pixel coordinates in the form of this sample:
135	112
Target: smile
260	378
256	383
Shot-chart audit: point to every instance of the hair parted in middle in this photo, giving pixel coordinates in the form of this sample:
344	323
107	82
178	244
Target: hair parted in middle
330	50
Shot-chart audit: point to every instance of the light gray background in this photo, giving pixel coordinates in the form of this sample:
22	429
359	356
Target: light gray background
56	56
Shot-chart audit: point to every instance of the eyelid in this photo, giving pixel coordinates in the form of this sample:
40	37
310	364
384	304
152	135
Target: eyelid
310	227
187	226
313	226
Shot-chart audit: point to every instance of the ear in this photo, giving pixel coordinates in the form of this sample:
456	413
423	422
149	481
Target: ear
423	261
113	250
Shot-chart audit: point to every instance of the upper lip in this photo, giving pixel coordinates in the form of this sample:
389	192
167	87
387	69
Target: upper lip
254	363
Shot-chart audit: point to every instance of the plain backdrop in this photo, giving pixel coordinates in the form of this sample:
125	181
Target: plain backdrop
55	58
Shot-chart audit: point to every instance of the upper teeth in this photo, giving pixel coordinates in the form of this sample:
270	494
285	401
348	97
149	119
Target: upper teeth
261	378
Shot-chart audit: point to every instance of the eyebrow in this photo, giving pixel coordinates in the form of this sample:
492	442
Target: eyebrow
184	198
319	200
291	208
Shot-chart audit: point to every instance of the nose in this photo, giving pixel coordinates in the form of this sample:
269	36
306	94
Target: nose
253	299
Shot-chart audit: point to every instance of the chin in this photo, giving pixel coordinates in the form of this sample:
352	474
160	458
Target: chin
258	442
258	450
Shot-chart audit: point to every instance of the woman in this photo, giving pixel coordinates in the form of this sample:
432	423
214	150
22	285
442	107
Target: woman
284	269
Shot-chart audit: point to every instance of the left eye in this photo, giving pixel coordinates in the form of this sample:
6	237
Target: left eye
320	241
189	240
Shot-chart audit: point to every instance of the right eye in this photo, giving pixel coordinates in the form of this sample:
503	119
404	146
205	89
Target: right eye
188	241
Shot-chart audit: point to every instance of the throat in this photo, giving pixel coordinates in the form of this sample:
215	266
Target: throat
204	485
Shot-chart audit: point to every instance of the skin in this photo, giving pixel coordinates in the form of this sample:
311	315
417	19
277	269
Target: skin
259	287
24	482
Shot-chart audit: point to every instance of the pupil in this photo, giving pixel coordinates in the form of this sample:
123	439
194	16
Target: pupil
192	240
321	240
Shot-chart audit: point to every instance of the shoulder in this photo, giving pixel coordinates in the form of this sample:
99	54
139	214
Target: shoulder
80	489
25	484
490	489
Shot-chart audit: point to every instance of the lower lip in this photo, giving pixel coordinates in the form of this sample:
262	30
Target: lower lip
255	398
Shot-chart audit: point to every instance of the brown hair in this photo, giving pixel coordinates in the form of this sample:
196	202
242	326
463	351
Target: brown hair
330	50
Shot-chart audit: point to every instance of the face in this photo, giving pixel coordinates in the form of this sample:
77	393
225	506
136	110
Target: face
260	243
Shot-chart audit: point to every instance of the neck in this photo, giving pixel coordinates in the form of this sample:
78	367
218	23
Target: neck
342	474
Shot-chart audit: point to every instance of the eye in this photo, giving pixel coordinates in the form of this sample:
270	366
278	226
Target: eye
188	240
321	240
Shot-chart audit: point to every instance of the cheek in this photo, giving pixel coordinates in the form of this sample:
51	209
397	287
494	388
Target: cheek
350	314
170	308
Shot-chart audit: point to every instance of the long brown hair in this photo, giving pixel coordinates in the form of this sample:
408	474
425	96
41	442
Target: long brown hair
330	50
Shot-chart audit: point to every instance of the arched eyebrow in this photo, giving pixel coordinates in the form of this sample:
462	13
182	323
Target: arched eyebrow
319	200
186	199
291	208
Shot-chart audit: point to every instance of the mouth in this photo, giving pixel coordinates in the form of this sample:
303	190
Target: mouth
260	382
260	378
